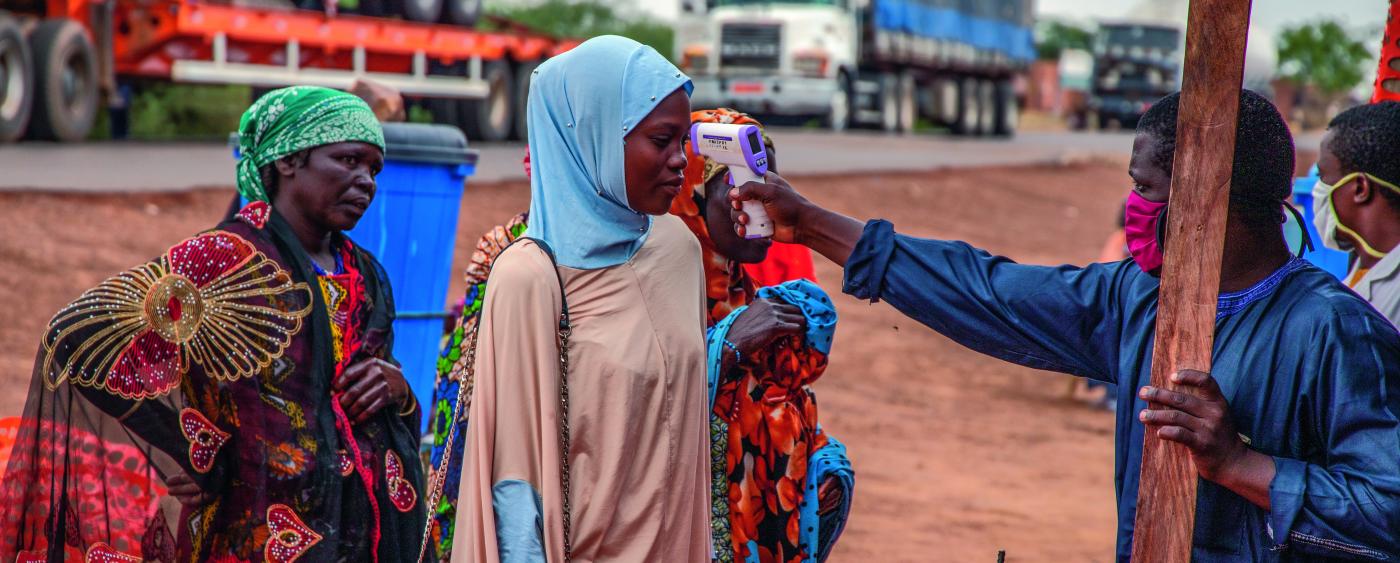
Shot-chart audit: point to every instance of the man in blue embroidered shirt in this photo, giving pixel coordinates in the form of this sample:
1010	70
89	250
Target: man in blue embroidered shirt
1297	441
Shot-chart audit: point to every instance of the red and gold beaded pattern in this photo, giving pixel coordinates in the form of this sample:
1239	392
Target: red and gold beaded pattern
212	300
255	214
335	295
103	553
288	537
30	557
347	466
401	492
205	439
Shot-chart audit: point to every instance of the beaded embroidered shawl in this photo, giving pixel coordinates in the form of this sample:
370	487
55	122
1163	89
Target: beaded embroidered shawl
213	361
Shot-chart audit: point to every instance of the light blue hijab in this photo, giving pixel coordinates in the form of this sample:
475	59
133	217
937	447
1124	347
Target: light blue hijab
581	104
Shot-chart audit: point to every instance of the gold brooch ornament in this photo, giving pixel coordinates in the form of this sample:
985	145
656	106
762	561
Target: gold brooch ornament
212	300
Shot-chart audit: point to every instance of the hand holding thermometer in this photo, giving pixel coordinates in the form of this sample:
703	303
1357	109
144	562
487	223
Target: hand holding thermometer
740	147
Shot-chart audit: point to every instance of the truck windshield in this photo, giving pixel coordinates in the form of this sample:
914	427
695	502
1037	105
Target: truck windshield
1142	36
719	3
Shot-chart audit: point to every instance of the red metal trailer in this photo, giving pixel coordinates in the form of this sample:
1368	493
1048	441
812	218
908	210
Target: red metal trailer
60	58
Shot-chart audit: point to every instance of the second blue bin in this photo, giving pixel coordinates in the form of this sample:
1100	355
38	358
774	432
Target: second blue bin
412	229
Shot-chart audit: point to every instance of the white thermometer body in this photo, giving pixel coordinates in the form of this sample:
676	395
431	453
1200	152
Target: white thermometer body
740	147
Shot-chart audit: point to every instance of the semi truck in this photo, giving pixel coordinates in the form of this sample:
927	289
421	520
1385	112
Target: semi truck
61	59
1138	60
873	63
1134	66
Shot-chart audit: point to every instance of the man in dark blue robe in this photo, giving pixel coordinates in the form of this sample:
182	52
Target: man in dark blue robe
1296	438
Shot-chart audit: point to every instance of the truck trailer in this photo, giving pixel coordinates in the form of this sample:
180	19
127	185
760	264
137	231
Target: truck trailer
60	59
874	63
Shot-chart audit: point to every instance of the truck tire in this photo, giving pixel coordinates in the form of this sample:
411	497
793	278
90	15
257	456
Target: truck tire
838	116
1107	122
908	105
986	102
947	101
889	103
446	111
1007	113
16	81
426	11
463	12
65	79
523	72
968	119
491	119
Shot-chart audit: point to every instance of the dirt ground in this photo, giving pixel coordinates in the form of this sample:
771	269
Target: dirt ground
957	455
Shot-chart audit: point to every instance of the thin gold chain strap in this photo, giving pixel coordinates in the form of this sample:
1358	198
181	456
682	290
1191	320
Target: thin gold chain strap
467	370
564	332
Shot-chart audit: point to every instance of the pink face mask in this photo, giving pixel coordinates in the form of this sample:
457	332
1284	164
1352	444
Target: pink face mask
1140	228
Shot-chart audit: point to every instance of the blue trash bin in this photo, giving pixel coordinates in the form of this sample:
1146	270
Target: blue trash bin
411	227
1334	262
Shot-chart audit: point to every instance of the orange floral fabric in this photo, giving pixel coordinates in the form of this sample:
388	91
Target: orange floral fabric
771	414
764	421
727	287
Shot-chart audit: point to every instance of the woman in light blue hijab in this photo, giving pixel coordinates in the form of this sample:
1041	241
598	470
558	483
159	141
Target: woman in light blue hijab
608	122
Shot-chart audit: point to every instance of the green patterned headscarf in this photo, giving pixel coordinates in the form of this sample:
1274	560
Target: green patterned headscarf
292	119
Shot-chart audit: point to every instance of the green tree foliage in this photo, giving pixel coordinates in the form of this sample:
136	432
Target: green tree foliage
1324	55
588	18
1053	37
170	111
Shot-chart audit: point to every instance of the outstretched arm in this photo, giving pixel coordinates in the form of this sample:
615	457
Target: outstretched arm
1064	319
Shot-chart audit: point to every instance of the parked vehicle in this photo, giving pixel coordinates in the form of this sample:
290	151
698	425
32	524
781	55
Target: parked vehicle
1138	61
1134	66
880	63
60	59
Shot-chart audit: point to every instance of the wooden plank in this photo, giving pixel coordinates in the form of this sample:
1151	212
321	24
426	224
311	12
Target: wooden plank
1199	201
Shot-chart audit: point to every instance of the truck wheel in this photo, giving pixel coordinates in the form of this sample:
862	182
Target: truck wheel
838	116
968	120
947	101
1107	122
908	105
446	111
889	103
986	103
523	72
463	12
1007	112
426	11
491	119
16	81
65	76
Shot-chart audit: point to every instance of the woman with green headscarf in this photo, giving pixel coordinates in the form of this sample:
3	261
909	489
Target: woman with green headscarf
233	399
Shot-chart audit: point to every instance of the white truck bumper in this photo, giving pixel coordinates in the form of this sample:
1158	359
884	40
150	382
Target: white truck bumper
773	95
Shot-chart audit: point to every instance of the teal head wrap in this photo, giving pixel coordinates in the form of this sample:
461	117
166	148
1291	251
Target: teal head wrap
293	119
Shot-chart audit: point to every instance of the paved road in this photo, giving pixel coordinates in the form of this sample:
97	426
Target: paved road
138	166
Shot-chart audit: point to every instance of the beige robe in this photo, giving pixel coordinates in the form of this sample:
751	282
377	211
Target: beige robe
637	404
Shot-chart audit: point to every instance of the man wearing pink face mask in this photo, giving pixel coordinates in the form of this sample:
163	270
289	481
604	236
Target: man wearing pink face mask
1297	435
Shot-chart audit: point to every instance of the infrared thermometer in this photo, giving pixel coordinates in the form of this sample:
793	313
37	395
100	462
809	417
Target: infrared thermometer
740	147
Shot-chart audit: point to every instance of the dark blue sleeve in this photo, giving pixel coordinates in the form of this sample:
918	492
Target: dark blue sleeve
1061	319
1348	506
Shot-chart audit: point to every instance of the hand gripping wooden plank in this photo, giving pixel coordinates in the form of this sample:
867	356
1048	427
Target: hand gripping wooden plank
1200	196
